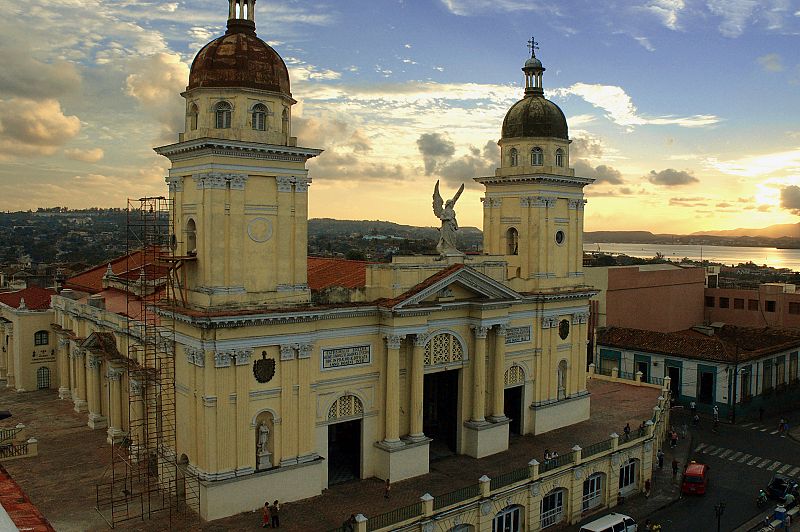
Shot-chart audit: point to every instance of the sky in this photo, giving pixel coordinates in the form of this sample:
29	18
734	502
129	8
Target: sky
687	112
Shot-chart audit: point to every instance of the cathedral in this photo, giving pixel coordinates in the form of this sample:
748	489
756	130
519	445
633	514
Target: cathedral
292	373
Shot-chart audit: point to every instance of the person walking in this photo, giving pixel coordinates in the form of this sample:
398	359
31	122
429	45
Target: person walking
693	408
627	431
660	455
716	413
673	439
274	511
674	468
265	521
387	489
781	424
350	524
647	486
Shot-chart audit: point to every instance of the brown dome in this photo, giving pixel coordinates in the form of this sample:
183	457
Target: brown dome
239	59
535	116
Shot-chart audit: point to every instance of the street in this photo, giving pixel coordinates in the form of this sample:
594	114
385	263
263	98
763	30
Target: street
742	458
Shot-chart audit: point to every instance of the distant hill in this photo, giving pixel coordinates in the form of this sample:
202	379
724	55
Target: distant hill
331	227
773	231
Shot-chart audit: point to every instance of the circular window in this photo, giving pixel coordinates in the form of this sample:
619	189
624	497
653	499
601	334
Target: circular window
560	237
563	329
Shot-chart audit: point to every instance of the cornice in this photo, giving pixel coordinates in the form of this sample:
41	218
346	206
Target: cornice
236	148
573	181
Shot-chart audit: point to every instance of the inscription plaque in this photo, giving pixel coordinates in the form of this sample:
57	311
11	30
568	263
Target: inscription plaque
518	335
340	357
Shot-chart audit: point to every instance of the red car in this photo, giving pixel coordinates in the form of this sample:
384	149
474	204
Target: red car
695	479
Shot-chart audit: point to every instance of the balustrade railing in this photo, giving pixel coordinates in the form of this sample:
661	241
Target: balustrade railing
522	473
398	515
555	463
595	448
9	451
455	497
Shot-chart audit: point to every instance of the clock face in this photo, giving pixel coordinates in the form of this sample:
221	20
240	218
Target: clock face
563	329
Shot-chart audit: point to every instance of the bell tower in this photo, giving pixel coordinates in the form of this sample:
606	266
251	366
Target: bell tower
533	207
238	180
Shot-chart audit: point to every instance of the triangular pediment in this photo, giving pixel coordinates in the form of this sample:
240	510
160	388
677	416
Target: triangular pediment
461	284
101	343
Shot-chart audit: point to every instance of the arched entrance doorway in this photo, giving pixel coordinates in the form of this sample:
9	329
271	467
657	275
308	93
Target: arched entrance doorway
513	396
344	439
444	355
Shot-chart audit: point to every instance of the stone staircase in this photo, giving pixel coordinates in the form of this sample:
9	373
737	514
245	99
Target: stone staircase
15	443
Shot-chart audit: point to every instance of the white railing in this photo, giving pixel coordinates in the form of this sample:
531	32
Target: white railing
552	517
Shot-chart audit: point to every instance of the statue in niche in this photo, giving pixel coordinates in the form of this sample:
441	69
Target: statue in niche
445	211
262	448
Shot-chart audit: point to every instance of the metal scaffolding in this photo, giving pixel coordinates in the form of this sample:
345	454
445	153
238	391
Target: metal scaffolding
146	479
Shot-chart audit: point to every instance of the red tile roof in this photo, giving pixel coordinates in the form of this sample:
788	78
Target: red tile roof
35	298
326	272
19	507
727	344
91	280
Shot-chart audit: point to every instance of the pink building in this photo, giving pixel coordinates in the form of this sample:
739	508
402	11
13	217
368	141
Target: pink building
771	305
654	297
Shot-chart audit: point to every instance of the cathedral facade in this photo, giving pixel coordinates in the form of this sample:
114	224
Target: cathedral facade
293	373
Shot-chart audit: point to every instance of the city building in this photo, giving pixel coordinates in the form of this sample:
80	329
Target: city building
726	366
770	305
27	343
292	373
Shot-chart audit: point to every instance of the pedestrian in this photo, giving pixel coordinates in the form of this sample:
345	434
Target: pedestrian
547	455
627	431
781	423
788	501
673	439
387	489
274	511
265	521
660	455
693	407
716	413
760	413
647	525
350	524
647	486
674	468
684	431
641	430
554	455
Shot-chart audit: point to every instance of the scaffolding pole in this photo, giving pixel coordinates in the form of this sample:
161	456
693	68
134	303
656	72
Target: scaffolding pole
146	479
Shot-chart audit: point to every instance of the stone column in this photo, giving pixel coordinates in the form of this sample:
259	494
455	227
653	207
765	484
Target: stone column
3	353
9	373
392	390
498	388
62	352
417	375
305	404
479	375
93	392
80	370
136	422
115	431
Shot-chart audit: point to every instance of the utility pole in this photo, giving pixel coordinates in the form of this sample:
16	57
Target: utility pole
719	509
735	382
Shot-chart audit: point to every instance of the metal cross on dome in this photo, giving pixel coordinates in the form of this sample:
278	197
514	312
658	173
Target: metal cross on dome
533	46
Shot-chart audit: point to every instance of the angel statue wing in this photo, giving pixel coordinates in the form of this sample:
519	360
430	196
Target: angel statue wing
438	202
458	194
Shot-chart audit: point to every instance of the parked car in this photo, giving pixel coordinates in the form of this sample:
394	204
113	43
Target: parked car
611	523
780	486
695	479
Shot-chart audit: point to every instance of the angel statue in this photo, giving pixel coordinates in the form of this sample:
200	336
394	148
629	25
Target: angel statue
445	211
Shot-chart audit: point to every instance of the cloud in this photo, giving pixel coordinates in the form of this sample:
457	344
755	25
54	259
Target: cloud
735	14
723	205
671	178
771	62
601	173
688	202
586	145
92	155
476	163
25	76
435	149
790	199
666	11
474	7
785	162
619	107
29	127
156	82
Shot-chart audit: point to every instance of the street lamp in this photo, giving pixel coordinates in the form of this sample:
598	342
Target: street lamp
719	509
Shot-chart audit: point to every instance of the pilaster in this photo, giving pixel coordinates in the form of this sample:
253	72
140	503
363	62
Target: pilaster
115	432
498	387
417	376
392	390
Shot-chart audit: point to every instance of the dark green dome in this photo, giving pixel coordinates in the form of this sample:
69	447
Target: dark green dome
535	116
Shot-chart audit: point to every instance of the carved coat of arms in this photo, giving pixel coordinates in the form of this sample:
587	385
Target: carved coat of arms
264	369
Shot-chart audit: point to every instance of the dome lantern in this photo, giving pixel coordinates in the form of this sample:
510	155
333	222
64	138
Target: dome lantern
533	71
241	16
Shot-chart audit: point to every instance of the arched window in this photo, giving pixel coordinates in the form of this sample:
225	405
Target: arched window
509	519
345	407
443	348
562	379
512	242
514	155
191	237
560	157
41	338
222	113
537	156
592	491
260	117
193	112
551	509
